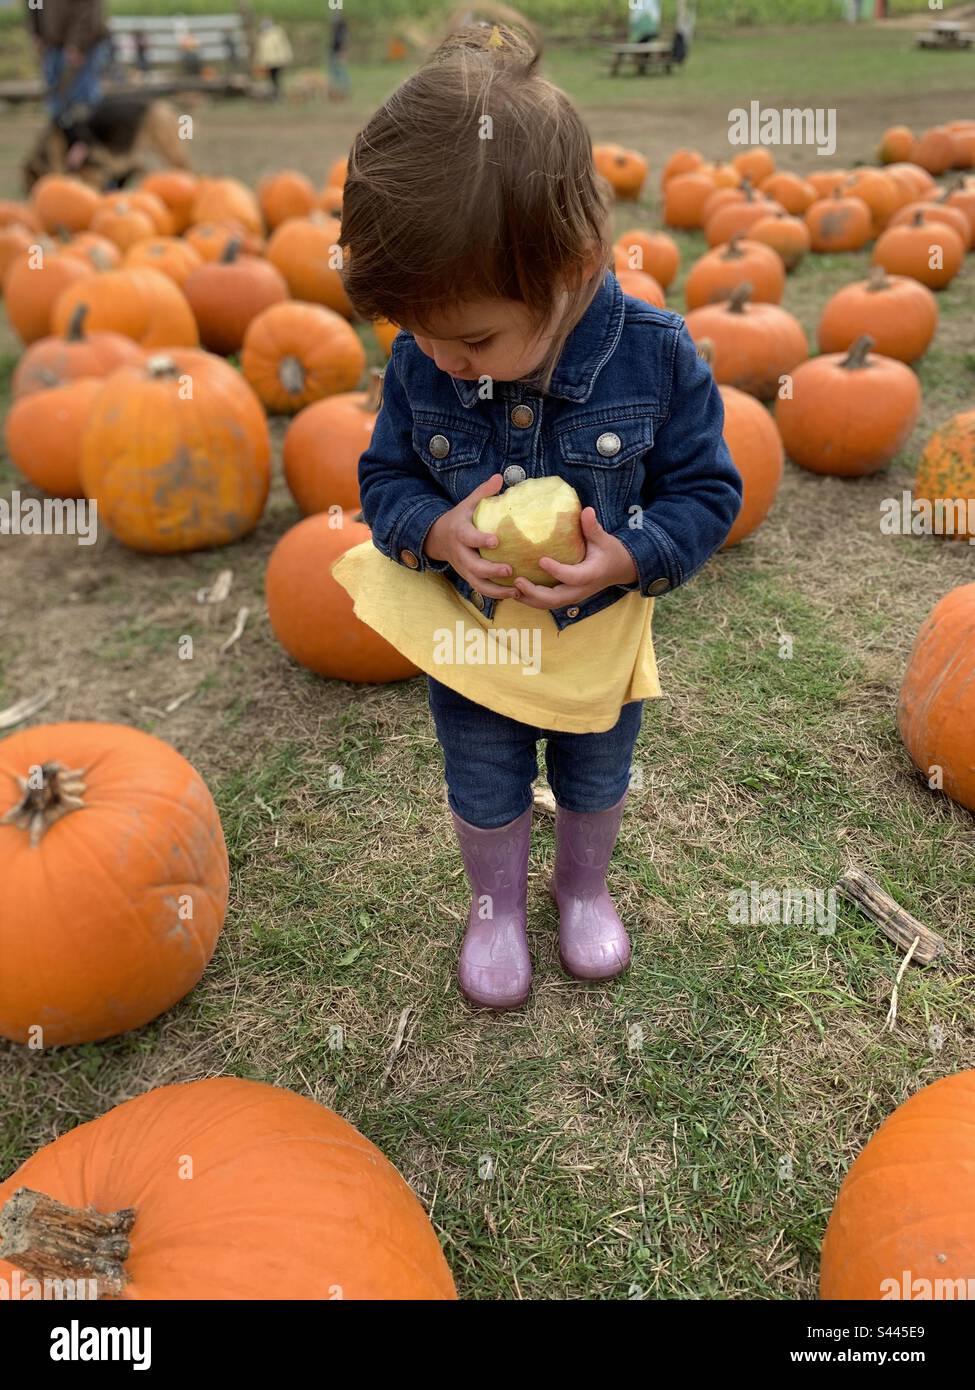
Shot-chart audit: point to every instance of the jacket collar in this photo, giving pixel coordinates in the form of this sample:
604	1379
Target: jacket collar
588	347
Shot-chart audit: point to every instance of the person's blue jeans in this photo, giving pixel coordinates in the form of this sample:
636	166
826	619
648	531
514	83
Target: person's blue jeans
85	89
491	761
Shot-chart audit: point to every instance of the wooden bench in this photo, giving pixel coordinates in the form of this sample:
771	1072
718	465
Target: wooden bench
947	36
647	57
218	40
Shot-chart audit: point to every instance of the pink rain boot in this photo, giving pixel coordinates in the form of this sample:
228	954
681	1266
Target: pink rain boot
495	969
593	944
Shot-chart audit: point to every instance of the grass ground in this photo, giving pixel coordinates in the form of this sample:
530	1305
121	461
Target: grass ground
682	1132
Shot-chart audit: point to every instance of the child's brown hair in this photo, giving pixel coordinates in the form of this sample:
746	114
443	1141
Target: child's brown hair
475	180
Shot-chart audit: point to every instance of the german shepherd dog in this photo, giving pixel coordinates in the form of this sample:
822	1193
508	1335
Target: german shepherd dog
116	135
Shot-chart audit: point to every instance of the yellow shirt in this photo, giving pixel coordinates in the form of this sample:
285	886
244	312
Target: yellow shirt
517	663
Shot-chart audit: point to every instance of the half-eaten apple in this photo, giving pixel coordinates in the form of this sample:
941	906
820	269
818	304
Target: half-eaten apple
537	517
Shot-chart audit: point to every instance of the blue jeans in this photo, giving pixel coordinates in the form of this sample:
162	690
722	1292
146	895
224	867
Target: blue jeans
84	89
491	761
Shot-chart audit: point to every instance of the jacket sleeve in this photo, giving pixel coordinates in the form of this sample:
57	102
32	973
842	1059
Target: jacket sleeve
692	491
400	500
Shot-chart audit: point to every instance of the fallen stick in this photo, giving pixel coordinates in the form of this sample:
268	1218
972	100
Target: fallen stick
896	923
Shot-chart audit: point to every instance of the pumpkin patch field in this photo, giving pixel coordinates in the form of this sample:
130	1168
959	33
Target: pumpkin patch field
249	895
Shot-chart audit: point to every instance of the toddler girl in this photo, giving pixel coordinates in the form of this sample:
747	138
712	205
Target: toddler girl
474	219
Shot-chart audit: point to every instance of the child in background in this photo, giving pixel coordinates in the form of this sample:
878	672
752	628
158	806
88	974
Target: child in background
273	53
338	87
473	218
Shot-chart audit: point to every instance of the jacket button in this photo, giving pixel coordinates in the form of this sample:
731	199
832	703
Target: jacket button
409	559
572	612
514	473
477	600
440	446
523	416
659	586
608	445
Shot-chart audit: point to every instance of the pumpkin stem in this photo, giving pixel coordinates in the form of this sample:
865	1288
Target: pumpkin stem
291	374
878	280
231	251
734	251
739	297
705	350
374	390
49	1240
918	219
76	328
857	354
160	365
49	792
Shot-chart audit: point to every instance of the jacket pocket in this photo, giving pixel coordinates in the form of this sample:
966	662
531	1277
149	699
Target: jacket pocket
454	453
603	459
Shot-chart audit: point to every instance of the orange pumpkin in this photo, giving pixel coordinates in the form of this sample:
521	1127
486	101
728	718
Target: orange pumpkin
339	172
684	198
849	413
755	164
639	285
754	345
148	204
312	615
326	1215
43	433
896	145
294	354
899	313
323	445
947	472
827	182
934	151
901	1226
285	194
211	239
625	170
171	256
791	192
787	236
936	211
839	223
172	468
917	178
221	200
34	282
385	332
654	252
963	199
56	361
756	451
726	176
736	218
880	193
308	253
15	241
925	248
963	141
936	709
330	200
143	304
64	204
227	294
715	274
21	214
123	223
97	251
115	881
176	189
681	162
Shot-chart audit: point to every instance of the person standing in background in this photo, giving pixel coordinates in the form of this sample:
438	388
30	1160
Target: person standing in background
273	53
644	24
338	87
72	41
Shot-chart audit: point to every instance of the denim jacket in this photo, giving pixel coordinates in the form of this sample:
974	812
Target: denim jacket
632	420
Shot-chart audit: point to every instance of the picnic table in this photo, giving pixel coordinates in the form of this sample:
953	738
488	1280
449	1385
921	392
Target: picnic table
947	36
647	57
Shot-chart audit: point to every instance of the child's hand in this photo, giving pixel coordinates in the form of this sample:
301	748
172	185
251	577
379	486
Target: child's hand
454	537
606	561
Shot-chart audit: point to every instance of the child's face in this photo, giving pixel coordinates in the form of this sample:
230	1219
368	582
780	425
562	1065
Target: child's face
489	338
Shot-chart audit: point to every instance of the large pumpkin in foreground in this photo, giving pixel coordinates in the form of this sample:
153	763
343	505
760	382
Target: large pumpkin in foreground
936	709
228	1189
177	454
903	1225
946	473
114	874
312	615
